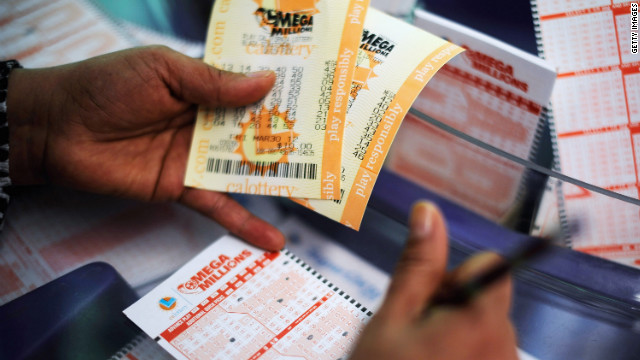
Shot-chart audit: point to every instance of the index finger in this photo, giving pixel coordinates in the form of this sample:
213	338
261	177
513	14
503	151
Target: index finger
233	216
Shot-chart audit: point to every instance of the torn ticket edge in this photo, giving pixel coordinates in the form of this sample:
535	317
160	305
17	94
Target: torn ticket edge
290	143
395	62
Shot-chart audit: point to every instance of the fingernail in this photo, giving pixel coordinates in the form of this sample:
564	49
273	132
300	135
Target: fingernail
259	74
420	222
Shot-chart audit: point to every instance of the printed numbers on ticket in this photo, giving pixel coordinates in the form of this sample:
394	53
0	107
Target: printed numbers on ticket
290	143
395	62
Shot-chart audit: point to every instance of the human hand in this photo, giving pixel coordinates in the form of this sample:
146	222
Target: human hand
121	124
402	329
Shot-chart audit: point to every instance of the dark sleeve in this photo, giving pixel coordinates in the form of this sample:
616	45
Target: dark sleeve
5	181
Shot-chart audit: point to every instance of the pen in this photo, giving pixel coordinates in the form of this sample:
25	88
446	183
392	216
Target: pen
452	294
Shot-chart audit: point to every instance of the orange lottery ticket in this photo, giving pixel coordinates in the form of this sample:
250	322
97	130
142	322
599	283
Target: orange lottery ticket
290	143
395	62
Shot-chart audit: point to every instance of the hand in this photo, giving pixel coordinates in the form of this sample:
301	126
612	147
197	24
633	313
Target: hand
402	330
121	124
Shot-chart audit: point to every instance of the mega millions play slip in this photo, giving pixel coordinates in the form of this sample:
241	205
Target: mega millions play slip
235	301
290	143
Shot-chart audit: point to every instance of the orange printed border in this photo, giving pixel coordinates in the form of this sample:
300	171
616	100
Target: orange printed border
378	149
343	76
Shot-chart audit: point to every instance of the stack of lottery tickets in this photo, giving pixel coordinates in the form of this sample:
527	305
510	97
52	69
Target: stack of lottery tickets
346	76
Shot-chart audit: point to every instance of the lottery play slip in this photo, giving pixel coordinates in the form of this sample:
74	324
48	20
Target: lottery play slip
494	93
235	301
596	107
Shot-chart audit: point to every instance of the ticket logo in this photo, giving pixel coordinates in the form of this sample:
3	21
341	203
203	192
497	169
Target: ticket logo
209	274
167	303
376	43
266	140
285	17
190	287
493	67
373	49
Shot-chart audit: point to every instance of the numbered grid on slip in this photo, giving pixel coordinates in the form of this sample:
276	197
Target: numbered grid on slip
581	42
632	88
552	7
502	124
590	101
602	220
604	159
623	27
636	146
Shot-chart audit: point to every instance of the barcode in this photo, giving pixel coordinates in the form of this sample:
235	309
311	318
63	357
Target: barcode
306	171
339	201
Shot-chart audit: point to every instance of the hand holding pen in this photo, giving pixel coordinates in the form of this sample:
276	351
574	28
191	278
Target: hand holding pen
476	328
460	293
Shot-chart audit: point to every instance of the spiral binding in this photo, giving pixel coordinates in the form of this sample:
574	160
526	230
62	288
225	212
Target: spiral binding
536	27
122	353
562	212
535	146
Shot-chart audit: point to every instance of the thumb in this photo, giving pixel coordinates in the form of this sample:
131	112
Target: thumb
421	266
196	82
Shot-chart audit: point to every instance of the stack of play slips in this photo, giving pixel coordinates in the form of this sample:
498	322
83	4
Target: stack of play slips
346	76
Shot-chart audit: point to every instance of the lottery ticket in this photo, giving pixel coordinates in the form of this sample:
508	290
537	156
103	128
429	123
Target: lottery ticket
235	301
594	45
395	61
290	143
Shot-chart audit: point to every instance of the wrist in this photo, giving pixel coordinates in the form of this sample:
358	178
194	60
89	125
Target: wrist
28	125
